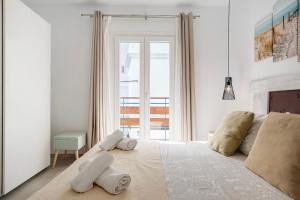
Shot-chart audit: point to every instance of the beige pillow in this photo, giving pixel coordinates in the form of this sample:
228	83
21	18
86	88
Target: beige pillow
275	155
248	142
231	132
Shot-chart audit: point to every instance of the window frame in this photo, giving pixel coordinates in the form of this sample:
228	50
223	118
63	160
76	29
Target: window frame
144	40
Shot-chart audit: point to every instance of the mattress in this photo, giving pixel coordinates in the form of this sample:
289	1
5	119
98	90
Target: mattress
176	171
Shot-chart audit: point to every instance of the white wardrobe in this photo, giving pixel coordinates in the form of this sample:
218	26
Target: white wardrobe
25	94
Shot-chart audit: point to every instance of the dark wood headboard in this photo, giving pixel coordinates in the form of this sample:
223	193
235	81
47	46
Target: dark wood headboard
285	101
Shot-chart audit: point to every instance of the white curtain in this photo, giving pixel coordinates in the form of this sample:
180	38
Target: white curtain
175	93
182	101
101	121
108	80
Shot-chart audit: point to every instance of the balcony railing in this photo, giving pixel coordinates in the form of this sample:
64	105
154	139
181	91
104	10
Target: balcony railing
159	113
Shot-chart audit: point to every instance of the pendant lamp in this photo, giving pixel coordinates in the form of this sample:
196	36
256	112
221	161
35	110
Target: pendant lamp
228	93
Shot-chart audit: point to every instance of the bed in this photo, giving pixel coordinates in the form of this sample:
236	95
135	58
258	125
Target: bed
170	171
180	171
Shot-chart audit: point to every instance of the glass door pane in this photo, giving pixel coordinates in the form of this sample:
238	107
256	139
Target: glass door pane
159	94
129	69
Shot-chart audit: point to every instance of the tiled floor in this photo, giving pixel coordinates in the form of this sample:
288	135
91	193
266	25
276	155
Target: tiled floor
29	187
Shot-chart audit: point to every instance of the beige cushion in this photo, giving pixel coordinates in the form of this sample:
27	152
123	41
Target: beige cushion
275	155
248	142
231	132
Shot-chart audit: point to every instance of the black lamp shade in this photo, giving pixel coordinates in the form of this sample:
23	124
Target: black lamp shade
228	91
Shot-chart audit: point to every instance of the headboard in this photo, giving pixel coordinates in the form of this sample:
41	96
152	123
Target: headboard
284	101
278	94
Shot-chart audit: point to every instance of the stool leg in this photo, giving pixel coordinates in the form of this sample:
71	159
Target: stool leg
77	155
66	153
55	159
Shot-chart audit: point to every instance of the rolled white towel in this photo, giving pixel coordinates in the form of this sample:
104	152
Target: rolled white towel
127	144
83	182
111	141
111	180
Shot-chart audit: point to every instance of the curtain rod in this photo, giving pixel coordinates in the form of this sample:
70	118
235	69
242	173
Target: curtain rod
145	16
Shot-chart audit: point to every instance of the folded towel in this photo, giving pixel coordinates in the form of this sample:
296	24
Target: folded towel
83	182
111	180
127	144
111	141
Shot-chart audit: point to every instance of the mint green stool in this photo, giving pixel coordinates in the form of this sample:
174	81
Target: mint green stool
72	141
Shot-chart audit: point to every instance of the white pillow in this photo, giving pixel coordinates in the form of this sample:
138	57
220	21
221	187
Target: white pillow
248	142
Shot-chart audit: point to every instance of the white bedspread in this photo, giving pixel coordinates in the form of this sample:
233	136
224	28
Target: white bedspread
195	172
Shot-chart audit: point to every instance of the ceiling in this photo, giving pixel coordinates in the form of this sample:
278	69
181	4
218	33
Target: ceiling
134	2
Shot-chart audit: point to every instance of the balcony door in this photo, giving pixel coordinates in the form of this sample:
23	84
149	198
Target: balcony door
144	66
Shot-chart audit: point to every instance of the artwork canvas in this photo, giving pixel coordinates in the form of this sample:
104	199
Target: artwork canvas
264	38
285	29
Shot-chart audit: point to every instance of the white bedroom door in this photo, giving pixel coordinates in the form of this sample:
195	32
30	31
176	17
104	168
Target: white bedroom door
144	65
130	76
158	66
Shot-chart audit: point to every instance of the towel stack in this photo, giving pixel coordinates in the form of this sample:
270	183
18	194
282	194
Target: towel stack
100	172
117	140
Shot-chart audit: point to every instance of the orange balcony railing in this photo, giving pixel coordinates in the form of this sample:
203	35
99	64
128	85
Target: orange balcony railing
159	113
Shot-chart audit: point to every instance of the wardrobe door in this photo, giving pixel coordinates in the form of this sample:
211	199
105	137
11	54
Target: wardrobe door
26	94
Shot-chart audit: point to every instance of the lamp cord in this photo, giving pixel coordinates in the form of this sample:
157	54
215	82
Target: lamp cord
229	5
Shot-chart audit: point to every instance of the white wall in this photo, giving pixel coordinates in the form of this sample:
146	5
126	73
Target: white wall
26	94
246	16
71	47
71	55
211	68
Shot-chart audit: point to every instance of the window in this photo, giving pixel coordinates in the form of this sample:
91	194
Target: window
144	65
